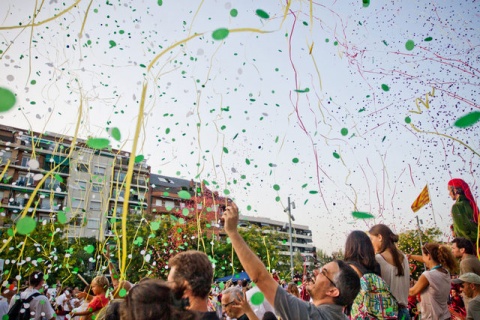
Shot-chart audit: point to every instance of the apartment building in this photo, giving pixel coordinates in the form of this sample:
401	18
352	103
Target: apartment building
84	185
302	241
87	187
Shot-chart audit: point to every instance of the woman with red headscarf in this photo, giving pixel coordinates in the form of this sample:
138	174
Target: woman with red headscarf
464	210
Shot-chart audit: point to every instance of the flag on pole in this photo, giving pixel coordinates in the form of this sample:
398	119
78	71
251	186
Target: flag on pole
422	199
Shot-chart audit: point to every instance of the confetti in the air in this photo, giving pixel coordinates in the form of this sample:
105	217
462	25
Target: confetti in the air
7	99
468	120
220	34
26	225
362	215
257	298
262	14
98	143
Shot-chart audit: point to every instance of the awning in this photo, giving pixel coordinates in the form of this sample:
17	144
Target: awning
239	276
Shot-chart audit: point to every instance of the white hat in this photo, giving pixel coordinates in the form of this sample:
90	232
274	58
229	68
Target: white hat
468	277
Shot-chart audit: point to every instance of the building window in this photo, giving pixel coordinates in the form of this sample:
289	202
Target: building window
25	179
78	204
140	180
44	217
51	184
158	202
83	167
169	204
141	195
120	194
119	210
82	185
45	204
76	221
5	156
96	187
98	170
93	223
95	205
120	175
25	160
20	200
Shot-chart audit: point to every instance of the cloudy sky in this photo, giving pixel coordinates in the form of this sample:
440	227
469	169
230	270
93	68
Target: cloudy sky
342	105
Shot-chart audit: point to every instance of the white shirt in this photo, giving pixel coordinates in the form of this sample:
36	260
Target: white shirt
40	306
3	307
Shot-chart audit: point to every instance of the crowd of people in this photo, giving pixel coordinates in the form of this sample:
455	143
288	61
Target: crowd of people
373	281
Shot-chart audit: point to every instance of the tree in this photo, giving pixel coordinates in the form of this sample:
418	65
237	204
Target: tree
323	258
263	241
410	244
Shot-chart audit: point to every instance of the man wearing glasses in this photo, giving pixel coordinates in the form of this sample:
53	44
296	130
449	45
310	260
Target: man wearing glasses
232	306
333	287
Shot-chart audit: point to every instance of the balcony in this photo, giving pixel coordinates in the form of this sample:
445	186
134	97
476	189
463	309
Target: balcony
28	185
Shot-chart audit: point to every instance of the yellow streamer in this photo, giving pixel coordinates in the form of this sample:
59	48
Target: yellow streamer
446	136
61	13
425	103
49	173
285	13
128	181
268	254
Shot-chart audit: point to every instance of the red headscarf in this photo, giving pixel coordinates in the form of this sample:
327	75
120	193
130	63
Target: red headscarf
459	183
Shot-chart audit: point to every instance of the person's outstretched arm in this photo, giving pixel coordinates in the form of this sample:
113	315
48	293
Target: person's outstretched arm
249	260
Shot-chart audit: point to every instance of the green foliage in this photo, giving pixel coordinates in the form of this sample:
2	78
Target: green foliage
43	250
151	241
323	258
409	243
263	241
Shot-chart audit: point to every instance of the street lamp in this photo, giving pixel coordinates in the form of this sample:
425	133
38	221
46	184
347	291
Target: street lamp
291	205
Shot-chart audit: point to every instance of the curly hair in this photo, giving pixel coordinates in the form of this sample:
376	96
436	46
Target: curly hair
388	243
442	255
194	267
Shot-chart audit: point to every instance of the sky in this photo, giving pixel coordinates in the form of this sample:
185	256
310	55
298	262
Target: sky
342	106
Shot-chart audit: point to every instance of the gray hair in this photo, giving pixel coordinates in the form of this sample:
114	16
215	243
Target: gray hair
235	293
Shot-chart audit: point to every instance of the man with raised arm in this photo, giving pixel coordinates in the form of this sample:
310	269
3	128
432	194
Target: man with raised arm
334	286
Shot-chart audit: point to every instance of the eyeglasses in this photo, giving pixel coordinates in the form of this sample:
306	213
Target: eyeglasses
324	271
226	305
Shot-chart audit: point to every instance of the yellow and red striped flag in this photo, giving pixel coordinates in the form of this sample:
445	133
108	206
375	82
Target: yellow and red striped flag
422	199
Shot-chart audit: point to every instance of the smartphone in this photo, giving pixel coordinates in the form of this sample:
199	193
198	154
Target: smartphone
221	210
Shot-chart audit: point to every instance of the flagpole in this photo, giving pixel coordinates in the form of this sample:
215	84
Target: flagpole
433	212
420	238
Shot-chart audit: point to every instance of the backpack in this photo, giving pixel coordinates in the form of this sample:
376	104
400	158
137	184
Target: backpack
18	310
374	301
